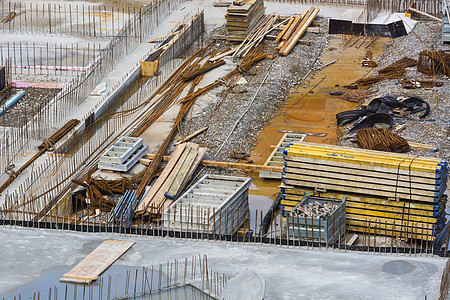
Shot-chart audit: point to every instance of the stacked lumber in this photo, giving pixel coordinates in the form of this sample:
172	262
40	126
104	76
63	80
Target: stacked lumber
294	30
242	18
393	192
176	174
215	204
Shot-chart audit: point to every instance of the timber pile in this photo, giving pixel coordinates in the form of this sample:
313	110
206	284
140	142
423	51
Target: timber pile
294	30
178	171
401	195
242	18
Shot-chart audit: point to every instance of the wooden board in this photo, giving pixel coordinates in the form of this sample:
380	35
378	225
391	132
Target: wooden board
399	169
362	172
387	184
297	194
178	179
91	267
162	178
360	190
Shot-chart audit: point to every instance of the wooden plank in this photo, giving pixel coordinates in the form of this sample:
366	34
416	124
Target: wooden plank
404	224
422	147
400	169
291	29
93	265
375	186
159	197
363	154
162	178
360	190
299	32
352	240
191	136
178	179
392	209
409	185
390	215
388	232
226	53
163	37
280	36
222	164
360	172
425	14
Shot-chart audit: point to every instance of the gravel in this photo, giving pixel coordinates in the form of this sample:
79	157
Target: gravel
26	107
434	129
285	74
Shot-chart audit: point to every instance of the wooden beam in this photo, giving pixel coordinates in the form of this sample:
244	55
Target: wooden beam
162	37
300	31
191	136
424	14
280	36
221	164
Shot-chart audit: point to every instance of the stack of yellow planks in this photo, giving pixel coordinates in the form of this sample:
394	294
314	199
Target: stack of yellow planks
179	169
387	193
242	18
294	30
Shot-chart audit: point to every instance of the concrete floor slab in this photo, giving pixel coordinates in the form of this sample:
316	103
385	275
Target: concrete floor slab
289	273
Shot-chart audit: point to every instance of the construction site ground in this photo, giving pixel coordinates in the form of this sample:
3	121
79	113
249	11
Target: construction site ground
276	95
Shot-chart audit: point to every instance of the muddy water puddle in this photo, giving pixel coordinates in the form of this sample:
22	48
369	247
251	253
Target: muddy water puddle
310	108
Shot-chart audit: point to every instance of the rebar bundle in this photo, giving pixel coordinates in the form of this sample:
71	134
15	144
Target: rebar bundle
432	62
381	139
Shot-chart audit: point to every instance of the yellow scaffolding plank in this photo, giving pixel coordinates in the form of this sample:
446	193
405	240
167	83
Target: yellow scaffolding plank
363	154
401	179
389	183
297	194
392	215
352	165
357	189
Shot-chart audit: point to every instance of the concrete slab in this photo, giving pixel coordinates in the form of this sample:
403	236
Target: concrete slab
289	273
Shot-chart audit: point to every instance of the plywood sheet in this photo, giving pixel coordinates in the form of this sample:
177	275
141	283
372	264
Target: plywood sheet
90	268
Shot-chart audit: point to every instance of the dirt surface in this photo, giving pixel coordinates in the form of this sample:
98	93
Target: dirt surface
283	74
29	105
434	129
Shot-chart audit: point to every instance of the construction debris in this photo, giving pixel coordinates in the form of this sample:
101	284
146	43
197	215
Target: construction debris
317	219
382	110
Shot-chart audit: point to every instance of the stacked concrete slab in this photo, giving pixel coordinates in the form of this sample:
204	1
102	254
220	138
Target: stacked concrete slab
124	154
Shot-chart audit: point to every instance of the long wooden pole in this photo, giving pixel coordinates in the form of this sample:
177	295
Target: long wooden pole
220	164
